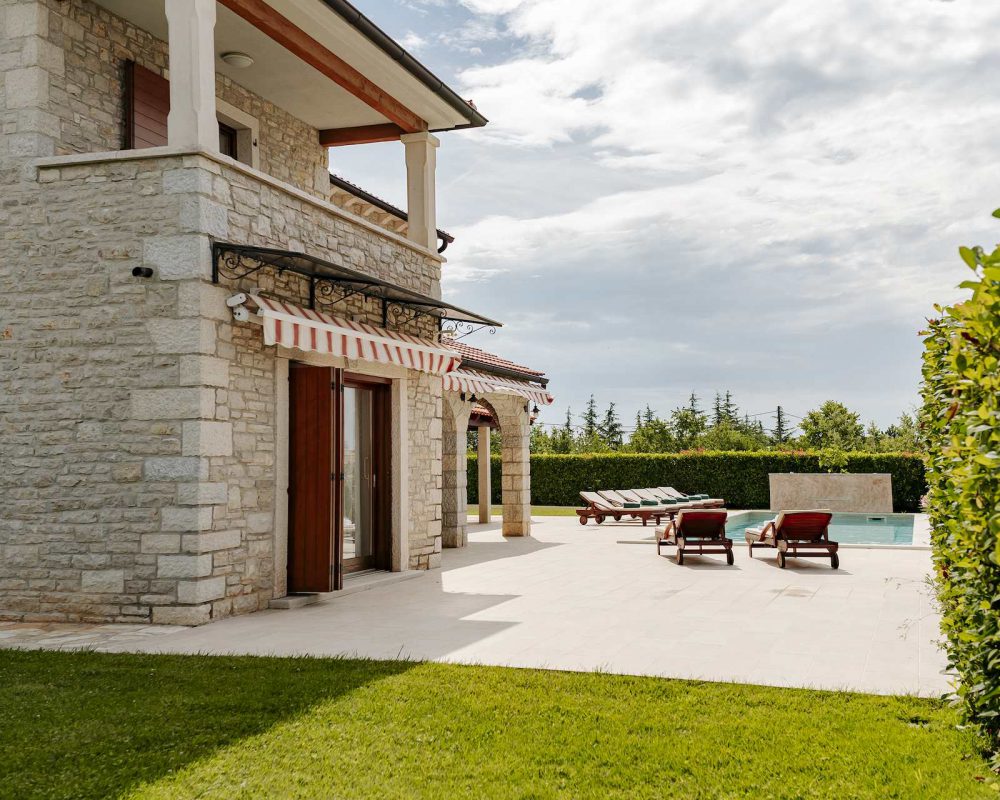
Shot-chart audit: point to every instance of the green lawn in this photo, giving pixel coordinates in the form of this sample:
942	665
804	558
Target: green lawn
537	511
87	725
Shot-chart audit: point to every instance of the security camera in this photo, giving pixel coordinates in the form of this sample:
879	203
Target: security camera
240	314
236	300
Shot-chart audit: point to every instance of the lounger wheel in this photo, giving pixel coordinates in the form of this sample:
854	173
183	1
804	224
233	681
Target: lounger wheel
618	517
730	559
680	556
583	520
781	559
599	519
835	561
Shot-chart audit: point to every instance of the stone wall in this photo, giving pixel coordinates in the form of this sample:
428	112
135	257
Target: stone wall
871	492
92	458
86	48
139	419
137	422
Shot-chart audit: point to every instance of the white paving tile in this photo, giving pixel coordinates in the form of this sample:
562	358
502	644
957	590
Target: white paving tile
572	598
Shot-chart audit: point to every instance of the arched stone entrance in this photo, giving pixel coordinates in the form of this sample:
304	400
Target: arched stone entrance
510	392
514	422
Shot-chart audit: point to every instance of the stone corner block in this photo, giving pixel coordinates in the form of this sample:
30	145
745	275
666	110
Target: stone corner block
175	468
203	438
187	335
184	566
178	257
186	403
202	494
203	590
185	519
204	371
182	615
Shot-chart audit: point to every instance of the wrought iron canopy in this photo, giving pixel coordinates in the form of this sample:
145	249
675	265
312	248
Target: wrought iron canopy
331	283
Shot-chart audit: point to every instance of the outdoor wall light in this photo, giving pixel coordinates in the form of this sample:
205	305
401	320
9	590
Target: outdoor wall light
535	409
473	398
237	60
142	272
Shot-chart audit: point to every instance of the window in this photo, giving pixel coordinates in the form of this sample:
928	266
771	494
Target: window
227	141
147	106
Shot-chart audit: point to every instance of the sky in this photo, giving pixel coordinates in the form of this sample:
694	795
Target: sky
708	195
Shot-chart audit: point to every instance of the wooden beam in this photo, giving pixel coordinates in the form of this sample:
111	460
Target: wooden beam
295	40
363	134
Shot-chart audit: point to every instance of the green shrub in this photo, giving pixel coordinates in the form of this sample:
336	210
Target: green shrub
739	477
960	420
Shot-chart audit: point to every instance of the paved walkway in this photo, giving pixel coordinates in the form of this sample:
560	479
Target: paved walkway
572	598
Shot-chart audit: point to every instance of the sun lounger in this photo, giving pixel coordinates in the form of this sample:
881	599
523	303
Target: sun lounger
599	509
697	531
629	497
799	534
703	500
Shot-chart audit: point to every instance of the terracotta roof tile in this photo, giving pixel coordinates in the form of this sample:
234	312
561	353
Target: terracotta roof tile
471	353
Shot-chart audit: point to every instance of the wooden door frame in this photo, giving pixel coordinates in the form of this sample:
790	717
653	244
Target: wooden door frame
382	467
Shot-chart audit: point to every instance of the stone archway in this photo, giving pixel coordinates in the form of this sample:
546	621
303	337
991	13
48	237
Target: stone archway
515	461
515	465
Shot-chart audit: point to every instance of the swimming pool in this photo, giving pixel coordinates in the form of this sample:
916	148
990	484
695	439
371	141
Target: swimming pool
878	529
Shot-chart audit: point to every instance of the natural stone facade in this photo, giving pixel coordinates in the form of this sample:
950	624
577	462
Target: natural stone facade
138	422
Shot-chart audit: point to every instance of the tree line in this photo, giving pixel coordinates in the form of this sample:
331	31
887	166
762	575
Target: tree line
724	426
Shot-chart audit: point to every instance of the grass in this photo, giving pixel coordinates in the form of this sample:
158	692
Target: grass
88	725
536	511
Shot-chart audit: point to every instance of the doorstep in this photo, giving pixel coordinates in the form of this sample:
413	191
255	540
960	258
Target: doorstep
352	585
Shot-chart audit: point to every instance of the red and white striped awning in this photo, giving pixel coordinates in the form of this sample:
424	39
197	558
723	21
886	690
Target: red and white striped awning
315	332
475	382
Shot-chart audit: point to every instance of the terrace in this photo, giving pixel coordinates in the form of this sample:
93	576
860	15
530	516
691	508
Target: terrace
576	599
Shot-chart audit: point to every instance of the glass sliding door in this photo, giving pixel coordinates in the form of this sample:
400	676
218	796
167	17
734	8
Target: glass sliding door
363	519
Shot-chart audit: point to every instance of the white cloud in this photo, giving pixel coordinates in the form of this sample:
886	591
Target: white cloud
726	192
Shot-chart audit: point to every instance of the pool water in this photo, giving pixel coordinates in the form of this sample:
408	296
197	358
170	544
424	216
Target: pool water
886	529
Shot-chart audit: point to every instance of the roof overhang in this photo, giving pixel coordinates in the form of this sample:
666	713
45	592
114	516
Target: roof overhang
323	62
329	283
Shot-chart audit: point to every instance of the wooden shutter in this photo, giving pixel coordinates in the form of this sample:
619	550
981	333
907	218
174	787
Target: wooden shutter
147	104
311	480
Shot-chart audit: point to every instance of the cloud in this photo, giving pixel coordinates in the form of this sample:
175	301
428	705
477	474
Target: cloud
779	184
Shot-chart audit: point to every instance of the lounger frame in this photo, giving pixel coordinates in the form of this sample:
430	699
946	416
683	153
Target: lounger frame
796	534
697	531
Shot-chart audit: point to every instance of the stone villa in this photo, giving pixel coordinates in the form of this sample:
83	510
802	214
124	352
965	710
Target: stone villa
226	376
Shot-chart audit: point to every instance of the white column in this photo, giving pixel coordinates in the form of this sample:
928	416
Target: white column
421	204
485	479
191	38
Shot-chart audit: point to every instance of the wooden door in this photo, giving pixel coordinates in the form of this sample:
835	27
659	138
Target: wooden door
313	546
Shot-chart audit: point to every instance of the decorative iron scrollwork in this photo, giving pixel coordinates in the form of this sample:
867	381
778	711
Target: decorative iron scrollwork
460	329
329	284
396	316
234	265
327	293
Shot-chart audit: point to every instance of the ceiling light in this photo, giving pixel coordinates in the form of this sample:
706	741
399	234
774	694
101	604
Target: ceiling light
238	60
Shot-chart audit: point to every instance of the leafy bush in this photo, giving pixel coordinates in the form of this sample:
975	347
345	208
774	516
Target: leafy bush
739	477
961	424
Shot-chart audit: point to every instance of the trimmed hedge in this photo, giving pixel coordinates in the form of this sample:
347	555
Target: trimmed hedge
739	477
961	423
